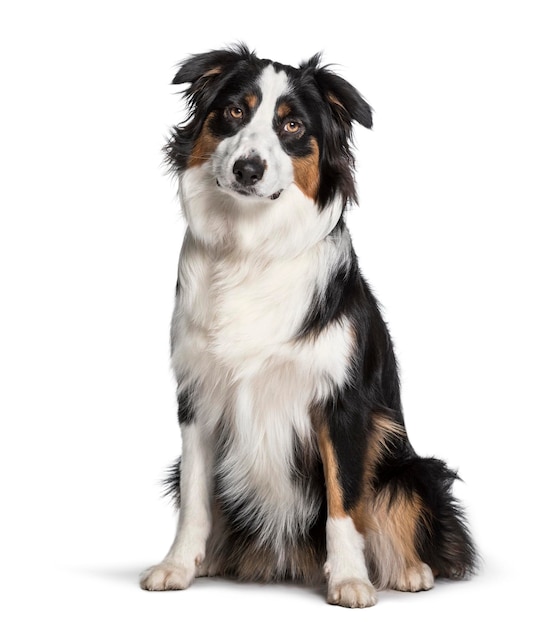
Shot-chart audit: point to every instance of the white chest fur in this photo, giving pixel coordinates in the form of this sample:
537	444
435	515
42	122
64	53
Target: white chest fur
235	345
236	318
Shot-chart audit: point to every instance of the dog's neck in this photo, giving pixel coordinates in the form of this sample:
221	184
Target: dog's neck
260	228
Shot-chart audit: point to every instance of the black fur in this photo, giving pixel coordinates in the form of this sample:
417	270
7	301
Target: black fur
374	388
185	408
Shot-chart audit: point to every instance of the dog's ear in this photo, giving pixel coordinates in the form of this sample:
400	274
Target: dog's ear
342	105
345	101
206	72
209	64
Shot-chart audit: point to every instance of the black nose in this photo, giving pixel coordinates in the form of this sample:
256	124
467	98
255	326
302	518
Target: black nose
248	171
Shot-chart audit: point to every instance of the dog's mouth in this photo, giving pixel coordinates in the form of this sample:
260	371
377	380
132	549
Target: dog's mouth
249	192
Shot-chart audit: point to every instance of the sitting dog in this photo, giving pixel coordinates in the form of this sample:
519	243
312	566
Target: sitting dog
295	459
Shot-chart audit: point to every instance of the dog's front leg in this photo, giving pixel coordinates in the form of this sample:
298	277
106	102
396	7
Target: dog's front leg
348	581
179	567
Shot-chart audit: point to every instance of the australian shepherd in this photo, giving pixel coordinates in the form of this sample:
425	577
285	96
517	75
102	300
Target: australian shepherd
295	459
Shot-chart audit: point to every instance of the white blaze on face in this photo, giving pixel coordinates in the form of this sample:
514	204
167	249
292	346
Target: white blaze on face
258	139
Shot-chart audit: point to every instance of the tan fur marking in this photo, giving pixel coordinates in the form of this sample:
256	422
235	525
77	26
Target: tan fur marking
252	100
334	495
283	110
398	519
332	98
306	171
379	442
213	72
204	146
380	439
391	547
402	516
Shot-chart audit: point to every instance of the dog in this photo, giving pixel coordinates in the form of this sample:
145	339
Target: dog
295	460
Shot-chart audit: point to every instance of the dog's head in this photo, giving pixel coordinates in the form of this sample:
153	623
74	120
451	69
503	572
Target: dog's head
261	127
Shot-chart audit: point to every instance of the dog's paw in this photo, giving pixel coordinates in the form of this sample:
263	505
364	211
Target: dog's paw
352	593
167	576
418	578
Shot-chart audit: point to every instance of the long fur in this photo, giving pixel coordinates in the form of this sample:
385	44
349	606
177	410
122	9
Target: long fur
295	460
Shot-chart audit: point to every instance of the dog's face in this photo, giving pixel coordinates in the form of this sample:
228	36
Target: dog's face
263	128
260	137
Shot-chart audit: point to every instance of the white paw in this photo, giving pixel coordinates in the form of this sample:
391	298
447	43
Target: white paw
167	576
352	593
419	578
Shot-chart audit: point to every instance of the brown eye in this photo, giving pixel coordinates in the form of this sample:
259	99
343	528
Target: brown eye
236	113
292	127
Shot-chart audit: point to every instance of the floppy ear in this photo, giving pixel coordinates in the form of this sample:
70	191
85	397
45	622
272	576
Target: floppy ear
206	72
345	101
342	105
205	75
209	64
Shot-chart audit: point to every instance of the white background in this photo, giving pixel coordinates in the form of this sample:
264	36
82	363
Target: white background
449	233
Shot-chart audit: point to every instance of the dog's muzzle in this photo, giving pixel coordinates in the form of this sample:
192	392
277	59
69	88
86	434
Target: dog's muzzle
247	173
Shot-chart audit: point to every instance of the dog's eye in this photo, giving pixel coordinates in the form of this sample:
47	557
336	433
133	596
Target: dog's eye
291	127
236	113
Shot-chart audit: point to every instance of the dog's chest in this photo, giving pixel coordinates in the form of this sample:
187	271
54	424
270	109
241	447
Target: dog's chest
235	341
237	320
247	313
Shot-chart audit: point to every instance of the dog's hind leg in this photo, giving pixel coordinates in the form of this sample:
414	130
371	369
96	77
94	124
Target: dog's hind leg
420	531
392	544
181	564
